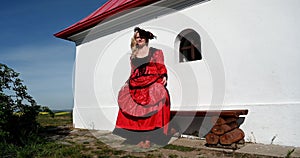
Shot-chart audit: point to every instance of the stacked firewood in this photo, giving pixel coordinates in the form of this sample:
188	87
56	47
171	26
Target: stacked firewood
225	132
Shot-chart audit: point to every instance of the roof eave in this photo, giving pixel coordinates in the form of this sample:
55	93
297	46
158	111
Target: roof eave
81	26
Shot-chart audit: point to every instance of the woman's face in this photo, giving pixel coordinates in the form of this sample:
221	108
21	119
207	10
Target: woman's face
140	40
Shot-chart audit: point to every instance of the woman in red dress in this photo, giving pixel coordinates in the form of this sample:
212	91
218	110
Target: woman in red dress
144	102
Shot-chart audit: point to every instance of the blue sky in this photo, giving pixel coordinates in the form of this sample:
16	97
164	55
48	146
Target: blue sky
27	45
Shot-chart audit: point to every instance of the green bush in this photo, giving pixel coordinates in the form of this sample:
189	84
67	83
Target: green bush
18	110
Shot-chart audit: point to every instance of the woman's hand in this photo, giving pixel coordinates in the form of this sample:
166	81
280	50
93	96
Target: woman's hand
164	81
126	84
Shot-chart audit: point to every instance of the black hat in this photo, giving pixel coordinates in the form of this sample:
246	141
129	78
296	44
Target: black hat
144	33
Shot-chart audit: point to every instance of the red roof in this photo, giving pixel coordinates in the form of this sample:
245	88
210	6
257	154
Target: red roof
110	8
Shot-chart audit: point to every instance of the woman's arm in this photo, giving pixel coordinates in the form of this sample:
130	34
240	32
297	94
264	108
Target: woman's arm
162	70
159	61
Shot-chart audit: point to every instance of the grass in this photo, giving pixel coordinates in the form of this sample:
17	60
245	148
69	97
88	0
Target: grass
40	147
59	119
288	155
178	148
50	149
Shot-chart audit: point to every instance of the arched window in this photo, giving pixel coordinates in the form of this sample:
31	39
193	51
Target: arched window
190	46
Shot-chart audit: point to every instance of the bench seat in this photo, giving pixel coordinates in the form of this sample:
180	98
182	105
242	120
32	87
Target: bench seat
224	113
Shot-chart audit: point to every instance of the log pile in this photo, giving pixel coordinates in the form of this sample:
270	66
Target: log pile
225	133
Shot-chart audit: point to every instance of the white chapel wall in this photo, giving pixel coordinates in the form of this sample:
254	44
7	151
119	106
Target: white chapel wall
255	41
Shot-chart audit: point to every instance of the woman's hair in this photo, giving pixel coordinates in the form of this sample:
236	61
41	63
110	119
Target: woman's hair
133	46
143	34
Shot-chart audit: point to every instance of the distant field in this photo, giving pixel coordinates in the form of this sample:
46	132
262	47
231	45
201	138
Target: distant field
62	118
56	113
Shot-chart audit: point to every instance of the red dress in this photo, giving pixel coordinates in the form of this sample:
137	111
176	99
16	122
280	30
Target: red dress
144	103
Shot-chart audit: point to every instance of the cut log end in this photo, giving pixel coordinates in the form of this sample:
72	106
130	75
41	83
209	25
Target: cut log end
217	120
217	129
212	139
230	119
232	137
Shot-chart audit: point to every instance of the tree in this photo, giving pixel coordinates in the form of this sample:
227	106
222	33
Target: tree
18	110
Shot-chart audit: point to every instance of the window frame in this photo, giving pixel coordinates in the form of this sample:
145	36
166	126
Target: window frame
189	41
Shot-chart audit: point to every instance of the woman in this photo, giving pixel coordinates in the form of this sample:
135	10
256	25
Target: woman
144	100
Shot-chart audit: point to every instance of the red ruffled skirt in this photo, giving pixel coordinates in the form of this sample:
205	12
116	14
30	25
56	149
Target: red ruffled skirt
143	109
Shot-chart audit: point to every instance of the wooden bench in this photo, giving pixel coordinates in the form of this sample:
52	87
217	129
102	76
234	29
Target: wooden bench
224	113
222	126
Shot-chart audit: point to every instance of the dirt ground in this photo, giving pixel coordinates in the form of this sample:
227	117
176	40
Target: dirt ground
106	144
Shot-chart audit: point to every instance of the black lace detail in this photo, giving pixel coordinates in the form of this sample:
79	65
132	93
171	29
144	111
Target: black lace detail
142	63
